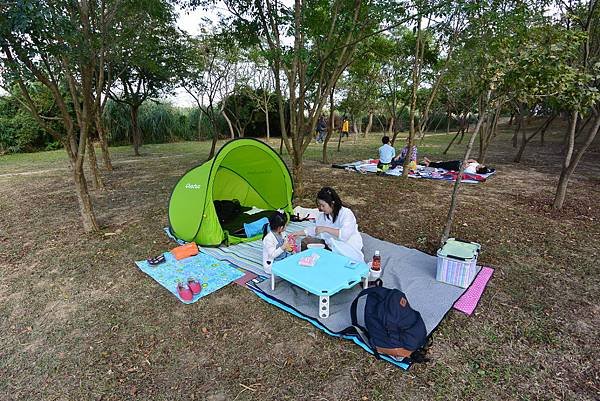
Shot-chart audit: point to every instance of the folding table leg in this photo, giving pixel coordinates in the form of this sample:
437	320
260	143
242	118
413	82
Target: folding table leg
324	306
272	282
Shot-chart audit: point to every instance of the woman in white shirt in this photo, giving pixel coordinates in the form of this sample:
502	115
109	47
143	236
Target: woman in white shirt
275	244
335	226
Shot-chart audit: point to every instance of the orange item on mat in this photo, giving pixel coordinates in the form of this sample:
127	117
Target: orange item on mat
185	251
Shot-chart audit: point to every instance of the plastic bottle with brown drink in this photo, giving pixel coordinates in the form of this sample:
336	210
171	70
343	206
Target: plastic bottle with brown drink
375	270
376	264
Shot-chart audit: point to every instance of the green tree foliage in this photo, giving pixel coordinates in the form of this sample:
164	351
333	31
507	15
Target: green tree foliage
309	45
149	53
59	44
159	122
19	130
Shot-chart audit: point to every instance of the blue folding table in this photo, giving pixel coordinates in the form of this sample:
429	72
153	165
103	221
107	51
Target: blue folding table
330	274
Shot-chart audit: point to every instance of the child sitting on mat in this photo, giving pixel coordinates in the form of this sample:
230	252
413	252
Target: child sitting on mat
275	244
386	154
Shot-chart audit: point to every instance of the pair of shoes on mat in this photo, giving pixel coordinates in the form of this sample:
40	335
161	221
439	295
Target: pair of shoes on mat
157	260
187	293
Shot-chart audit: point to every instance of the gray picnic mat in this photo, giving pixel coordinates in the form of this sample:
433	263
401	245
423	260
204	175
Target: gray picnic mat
409	270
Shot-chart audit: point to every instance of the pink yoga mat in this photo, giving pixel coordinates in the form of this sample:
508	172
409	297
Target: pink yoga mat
469	300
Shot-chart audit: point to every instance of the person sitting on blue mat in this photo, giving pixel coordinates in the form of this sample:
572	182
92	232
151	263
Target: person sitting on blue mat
386	154
399	160
275	246
335	226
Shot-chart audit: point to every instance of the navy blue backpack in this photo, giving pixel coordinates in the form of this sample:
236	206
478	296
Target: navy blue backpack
390	322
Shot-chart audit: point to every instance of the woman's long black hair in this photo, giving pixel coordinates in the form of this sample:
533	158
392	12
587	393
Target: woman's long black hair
276	220
329	196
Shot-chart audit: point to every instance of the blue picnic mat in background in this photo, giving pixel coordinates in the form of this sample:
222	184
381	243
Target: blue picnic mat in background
210	272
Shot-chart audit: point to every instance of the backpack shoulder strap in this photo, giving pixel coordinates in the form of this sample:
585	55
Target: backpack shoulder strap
362	331
363	293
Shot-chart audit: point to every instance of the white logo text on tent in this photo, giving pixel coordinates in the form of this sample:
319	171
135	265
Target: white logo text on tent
193	186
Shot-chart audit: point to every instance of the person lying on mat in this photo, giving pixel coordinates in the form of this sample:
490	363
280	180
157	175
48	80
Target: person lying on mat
472	167
399	160
335	227
386	154
275	244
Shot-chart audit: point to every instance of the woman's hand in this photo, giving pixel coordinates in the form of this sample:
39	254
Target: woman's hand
322	229
287	247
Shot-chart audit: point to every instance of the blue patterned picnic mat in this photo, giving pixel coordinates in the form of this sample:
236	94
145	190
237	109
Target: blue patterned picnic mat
209	271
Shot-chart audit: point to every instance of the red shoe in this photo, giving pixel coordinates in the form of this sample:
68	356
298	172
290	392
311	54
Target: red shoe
194	286
184	293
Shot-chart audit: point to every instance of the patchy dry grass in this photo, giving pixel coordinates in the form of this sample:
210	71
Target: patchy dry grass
79	321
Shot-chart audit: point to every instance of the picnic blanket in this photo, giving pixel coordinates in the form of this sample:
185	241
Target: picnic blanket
248	256
209	271
370	166
409	270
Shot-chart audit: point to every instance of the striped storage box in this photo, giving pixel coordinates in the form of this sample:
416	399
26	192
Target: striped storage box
457	262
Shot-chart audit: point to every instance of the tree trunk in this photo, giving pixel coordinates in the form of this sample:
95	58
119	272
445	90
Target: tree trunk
370	124
97	179
103	143
525	141
561	189
357	127
213	145
572	159
582	127
394	136
391	126
454	201
231	130
199	130
520	118
436	126
136	133
267	122
543	134
412	130
297	171
331	125
451	142
83	199
490	133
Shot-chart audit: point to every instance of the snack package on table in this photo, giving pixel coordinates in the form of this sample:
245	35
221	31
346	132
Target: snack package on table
291	239
309	261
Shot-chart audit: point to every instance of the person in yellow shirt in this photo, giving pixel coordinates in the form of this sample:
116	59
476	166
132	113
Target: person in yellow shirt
345	127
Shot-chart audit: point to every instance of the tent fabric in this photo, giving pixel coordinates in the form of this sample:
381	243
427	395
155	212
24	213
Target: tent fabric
245	169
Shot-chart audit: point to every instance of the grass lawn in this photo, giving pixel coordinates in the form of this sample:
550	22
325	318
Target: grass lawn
78	320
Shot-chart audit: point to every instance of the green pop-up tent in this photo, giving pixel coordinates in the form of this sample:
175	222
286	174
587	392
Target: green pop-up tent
244	169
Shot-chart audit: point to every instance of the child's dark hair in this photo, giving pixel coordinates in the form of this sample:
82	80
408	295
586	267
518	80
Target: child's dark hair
329	196
276	220
385	139
483	170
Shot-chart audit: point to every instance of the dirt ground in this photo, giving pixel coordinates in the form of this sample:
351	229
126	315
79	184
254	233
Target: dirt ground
78	320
